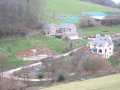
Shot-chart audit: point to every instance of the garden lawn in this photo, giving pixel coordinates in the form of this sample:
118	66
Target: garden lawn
14	45
113	61
18	44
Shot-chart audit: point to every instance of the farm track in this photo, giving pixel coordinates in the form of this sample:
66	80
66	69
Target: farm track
10	73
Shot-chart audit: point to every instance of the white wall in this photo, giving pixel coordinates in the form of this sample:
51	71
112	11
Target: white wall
106	51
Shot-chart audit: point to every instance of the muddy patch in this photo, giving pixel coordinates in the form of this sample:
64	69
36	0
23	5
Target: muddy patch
34	54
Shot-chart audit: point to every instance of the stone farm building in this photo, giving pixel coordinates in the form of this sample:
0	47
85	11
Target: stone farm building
104	18
102	45
66	28
49	29
67	31
107	20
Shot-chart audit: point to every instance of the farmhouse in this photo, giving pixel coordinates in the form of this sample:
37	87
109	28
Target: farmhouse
67	31
49	29
102	45
65	27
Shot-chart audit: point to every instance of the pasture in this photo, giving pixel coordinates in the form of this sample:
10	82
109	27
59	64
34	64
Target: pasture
111	82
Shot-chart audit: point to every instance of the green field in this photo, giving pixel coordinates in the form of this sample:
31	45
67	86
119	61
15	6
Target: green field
111	82
14	45
73	6
108	30
60	7
19	44
22	43
76	7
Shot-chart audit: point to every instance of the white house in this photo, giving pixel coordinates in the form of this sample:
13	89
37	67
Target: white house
102	45
49	29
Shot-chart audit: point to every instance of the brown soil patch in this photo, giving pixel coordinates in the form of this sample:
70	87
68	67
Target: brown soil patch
33	52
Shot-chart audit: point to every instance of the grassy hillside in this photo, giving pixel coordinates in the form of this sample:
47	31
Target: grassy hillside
58	6
71	7
74	6
110	30
14	45
19	44
105	83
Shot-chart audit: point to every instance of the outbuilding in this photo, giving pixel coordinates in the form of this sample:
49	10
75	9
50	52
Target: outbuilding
49	29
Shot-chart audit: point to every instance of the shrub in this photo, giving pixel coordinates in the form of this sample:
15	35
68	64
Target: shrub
40	76
111	20
22	34
88	22
94	63
60	78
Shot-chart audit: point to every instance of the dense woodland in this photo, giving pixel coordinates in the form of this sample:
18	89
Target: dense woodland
18	16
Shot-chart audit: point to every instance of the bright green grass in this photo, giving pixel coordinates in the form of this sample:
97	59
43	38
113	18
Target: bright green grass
15	62
109	30
19	44
15	45
111	82
113	62
73	6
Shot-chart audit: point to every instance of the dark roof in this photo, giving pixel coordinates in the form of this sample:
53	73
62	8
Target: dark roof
66	26
102	40
47	26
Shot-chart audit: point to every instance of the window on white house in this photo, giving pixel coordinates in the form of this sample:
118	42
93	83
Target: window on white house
110	48
100	51
48	33
105	50
94	50
94	45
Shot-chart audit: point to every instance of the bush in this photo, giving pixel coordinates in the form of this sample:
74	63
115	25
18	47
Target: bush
22	34
94	63
111	20
40	76
88	22
60	78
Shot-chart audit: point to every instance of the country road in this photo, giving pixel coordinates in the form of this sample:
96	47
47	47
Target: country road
9	73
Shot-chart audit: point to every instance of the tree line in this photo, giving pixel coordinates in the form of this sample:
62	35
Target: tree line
18	16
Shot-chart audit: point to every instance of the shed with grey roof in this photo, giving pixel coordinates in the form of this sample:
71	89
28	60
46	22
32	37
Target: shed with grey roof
49	29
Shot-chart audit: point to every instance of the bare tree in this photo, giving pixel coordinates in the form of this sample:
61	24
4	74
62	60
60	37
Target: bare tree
111	20
3	67
16	17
